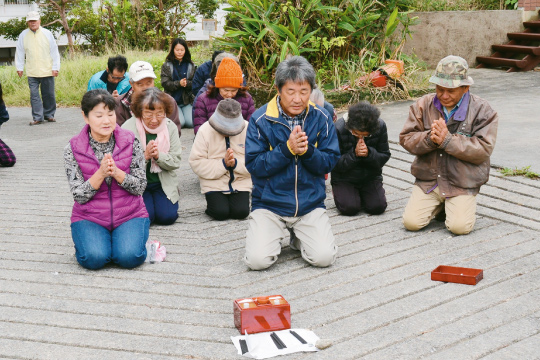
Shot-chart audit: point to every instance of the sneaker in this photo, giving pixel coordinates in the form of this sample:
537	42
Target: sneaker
36	122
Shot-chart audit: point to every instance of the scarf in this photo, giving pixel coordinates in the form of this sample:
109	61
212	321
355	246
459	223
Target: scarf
162	139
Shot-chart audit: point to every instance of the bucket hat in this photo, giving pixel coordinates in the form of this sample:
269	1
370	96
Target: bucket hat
227	119
452	72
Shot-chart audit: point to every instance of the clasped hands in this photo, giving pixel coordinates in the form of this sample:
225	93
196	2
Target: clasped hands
361	149
151	151
229	158
298	141
438	131
108	166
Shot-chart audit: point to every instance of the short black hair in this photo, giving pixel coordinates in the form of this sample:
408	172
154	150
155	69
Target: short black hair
187	55
95	97
216	53
363	117
117	62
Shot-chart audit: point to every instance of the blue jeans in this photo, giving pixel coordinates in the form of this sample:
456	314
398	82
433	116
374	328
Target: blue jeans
160	209
186	115
42	110
96	246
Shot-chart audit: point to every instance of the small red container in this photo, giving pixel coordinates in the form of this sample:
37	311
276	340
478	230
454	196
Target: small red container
260	314
459	275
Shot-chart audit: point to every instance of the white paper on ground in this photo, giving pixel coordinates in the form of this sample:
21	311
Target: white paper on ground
261	345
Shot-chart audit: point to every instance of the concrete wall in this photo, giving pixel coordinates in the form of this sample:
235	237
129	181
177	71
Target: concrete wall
464	33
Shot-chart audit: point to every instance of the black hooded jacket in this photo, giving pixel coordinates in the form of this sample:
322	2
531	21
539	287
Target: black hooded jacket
357	170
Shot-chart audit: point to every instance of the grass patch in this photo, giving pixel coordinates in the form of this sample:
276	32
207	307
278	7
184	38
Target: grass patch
525	171
75	72
456	5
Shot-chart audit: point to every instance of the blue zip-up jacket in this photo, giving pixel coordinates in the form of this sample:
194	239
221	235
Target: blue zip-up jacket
96	82
201	75
283	183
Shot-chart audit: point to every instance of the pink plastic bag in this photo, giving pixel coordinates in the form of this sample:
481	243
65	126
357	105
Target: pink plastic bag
155	251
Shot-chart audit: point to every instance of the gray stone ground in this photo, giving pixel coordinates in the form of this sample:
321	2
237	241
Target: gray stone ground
516	98
376	302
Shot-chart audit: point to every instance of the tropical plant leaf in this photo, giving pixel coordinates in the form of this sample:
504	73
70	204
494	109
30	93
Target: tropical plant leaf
392	24
346	26
261	35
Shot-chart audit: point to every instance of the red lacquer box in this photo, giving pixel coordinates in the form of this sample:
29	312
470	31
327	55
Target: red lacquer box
260	314
458	275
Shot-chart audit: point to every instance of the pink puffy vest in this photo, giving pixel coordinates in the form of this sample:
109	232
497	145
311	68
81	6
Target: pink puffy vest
111	206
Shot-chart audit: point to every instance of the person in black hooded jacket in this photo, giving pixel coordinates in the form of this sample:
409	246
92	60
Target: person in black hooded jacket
356	180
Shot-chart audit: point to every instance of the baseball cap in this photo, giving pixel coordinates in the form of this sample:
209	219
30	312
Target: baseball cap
141	70
32	15
452	72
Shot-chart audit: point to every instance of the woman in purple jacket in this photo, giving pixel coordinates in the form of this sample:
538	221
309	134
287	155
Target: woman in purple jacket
106	172
228	85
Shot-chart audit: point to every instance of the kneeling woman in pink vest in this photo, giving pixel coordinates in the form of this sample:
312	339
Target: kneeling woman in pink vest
106	172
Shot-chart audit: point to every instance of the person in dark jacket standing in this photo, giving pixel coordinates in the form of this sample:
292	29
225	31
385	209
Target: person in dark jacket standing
291	144
176	76
357	178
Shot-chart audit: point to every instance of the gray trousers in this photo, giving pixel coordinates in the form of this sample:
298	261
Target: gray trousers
311	234
45	109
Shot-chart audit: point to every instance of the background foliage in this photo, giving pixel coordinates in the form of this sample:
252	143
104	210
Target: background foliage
265	32
118	24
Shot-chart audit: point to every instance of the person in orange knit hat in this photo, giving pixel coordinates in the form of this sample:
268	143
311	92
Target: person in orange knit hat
228	85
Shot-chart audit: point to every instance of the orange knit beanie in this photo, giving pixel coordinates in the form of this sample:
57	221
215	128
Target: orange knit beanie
228	74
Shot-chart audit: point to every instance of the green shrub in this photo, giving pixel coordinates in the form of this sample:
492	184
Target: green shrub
264	32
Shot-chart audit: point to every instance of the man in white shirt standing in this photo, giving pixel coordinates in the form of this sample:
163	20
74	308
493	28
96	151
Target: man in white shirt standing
39	47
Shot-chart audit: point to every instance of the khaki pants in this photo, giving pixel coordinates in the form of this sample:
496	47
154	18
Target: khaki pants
422	207
311	234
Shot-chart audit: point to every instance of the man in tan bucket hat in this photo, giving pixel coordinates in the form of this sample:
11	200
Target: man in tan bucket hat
452	133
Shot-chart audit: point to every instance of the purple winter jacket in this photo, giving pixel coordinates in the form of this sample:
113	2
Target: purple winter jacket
111	206
206	106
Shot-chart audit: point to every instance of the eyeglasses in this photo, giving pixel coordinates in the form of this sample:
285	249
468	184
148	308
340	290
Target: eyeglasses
360	136
158	116
119	78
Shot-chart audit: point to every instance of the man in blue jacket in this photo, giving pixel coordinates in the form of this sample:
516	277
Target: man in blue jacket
290	145
115	79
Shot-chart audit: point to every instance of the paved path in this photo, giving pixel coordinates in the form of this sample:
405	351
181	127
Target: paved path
376	302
